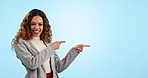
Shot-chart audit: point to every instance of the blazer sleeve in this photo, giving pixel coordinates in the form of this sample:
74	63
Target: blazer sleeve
61	65
29	60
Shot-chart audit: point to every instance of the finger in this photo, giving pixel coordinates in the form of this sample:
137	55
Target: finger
86	45
62	41
79	50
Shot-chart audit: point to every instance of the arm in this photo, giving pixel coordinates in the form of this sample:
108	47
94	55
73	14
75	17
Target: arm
65	62
61	65
29	60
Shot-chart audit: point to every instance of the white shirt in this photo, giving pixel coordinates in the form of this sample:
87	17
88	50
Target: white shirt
39	45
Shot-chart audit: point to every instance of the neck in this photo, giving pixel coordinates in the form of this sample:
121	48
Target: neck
36	38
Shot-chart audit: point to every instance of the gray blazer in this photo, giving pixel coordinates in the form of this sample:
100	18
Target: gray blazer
33	60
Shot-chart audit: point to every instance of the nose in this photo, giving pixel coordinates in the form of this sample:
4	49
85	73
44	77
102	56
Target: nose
36	26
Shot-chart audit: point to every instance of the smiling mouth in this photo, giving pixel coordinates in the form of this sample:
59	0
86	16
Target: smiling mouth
36	31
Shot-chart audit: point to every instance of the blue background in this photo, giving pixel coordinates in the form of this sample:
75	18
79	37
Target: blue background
117	31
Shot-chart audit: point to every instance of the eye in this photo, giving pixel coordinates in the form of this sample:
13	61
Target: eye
40	24
32	23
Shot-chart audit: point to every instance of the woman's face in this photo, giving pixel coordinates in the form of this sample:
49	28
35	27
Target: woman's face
36	26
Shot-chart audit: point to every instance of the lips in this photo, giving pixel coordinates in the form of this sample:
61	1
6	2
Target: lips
36	31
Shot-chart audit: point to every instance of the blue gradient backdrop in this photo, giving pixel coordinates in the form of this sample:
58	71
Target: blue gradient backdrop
117	31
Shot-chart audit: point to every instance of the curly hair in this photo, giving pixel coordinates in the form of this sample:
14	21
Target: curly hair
25	29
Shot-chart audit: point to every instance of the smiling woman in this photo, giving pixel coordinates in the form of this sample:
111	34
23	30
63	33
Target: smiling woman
34	49
36	26
33	22
116	29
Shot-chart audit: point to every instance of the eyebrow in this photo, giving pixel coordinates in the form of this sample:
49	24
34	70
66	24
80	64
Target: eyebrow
35	22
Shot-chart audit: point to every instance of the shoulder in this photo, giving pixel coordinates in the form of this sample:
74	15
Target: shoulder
21	43
20	40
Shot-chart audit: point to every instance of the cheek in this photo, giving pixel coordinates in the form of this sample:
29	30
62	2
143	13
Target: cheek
31	27
41	28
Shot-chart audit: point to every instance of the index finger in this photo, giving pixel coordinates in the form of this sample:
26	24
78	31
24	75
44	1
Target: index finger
86	45
62	41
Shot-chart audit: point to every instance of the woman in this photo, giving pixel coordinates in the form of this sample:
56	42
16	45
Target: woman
33	47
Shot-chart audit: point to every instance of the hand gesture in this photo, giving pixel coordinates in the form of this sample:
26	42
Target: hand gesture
79	47
56	45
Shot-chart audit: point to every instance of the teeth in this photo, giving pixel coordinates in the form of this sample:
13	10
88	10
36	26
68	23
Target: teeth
36	31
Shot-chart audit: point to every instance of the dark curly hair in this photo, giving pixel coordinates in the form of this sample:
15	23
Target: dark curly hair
25	30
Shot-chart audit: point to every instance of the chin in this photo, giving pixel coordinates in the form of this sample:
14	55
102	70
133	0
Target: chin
36	35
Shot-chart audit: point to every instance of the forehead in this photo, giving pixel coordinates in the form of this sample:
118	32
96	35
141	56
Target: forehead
37	19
